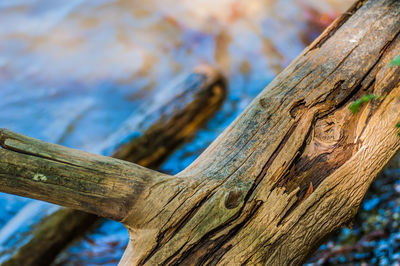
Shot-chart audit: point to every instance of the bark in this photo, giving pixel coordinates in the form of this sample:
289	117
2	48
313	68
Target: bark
290	170
195	99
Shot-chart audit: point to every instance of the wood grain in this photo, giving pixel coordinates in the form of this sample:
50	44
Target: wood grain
296	134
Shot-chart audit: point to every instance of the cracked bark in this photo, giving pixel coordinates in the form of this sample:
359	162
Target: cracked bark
292	168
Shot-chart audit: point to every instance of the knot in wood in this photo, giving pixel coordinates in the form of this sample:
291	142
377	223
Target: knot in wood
264	102
232	200
329	130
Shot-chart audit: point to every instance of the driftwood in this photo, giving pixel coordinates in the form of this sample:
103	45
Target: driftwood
290	170
193	100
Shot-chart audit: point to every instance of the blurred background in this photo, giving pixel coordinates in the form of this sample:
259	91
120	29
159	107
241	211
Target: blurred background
71	72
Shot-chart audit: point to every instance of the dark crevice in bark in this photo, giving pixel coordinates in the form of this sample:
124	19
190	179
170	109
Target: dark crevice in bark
213	256
297	158
320	167
161	240
209	250
316	169
281	182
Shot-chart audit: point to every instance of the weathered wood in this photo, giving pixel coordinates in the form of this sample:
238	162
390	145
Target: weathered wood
292	168
72	178
194	99
247	200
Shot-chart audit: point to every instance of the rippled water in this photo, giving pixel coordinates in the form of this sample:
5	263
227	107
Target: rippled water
71	72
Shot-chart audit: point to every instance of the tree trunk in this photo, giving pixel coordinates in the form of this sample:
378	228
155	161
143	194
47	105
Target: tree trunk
193	101
290	170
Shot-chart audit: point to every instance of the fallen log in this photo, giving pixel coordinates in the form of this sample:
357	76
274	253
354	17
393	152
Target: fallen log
147	140
289	171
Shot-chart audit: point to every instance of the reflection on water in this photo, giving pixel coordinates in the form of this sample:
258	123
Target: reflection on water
72	71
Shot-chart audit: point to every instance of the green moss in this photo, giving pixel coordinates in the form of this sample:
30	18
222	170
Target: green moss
356	105
398	126
395	62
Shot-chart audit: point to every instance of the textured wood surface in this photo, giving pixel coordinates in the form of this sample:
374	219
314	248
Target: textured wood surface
71	178
291	169
295	165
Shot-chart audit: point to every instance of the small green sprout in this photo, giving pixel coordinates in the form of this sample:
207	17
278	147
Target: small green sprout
356	105
398	126
395	62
